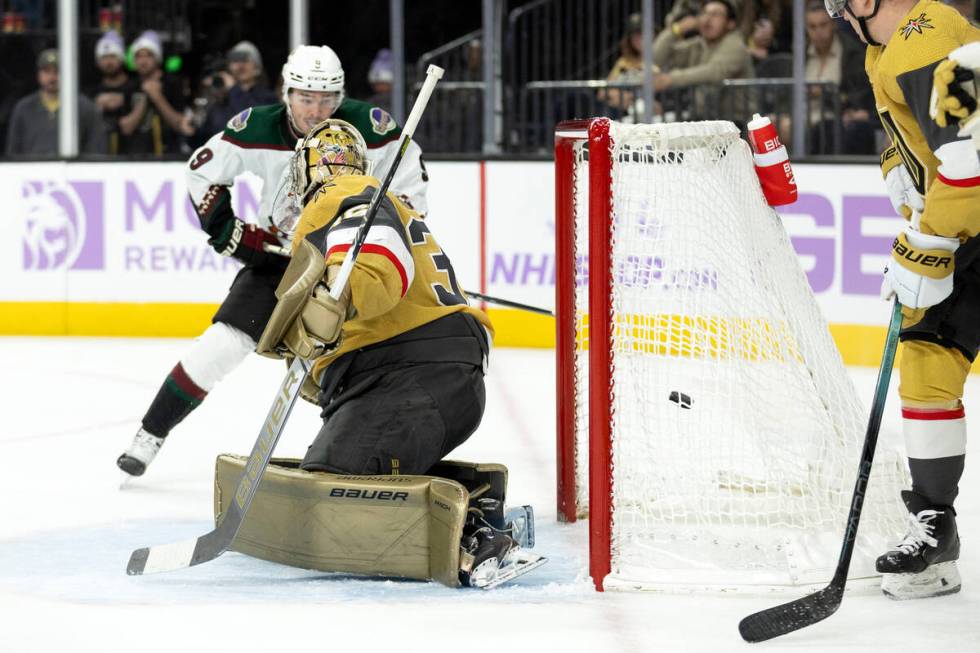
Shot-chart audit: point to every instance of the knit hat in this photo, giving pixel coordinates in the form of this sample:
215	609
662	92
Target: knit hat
381	69
111	44
148	40
245	51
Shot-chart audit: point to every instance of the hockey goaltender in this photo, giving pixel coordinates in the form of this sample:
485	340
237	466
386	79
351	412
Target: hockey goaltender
398	366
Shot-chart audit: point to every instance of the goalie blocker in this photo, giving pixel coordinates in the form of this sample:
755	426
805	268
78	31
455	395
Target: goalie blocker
401	526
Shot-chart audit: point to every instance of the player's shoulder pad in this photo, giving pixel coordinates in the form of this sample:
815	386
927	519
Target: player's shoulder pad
258	127
376	125
927	35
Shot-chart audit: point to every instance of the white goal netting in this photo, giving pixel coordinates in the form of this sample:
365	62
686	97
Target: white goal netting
736	431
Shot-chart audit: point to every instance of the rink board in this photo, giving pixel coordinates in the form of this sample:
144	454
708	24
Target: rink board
109	249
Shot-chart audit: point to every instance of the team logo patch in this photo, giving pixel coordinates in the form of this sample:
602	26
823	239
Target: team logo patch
381	121
917	25
240	121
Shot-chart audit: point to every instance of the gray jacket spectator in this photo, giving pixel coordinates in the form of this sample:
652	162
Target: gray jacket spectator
717	53
33	128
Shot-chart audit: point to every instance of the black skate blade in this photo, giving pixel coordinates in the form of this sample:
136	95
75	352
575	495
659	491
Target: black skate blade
791	616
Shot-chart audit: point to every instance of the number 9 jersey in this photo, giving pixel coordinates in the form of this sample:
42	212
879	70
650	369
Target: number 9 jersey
402	278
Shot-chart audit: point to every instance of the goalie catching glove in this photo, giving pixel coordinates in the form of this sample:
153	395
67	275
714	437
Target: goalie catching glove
921	274
306	322
954	90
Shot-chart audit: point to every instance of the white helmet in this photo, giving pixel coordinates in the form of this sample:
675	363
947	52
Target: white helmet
312	68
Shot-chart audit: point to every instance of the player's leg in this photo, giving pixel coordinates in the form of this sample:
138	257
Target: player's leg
939	347
220	349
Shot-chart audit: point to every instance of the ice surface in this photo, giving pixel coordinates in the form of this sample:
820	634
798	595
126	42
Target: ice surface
70	406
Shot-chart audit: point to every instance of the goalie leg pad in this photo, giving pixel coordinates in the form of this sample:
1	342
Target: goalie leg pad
402	526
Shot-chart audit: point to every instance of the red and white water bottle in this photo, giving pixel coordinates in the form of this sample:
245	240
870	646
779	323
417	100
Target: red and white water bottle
771	162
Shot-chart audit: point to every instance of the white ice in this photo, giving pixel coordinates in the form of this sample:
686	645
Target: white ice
70	405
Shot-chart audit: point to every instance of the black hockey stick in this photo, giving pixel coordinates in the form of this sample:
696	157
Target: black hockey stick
818	606
179	555
509	303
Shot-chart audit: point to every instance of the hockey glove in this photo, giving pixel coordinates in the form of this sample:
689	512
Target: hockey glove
954	88
246	242
921	274
901	191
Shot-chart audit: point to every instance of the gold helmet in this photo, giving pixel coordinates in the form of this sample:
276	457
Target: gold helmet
332	148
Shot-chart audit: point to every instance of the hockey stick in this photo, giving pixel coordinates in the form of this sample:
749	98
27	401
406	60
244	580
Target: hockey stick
282	251
818	606
509	303
169	557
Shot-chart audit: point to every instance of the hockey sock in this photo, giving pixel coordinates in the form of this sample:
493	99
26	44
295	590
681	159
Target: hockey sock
175	400
936	443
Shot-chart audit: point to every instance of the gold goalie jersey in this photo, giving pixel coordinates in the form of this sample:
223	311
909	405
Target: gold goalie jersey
401	279
943	166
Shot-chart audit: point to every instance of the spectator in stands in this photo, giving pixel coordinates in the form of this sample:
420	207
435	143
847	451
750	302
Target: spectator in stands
628	68
114	93
160	102
831	58
717	53
380	77
228	88
768	27
33	128
251	88
683	9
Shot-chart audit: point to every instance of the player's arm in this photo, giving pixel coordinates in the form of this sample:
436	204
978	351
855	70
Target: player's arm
384	269
921	273
411	180
955	92
211	172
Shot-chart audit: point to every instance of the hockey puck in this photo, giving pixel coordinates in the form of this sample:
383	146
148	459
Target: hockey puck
681	399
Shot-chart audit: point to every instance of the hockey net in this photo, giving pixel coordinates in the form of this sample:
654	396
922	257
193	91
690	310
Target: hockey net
707	425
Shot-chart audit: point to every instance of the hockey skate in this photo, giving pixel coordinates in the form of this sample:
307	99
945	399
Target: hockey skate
490	558
923	564
140	453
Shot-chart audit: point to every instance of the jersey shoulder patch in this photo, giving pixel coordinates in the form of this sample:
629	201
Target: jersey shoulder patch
258	127
925	36
376	125
240	121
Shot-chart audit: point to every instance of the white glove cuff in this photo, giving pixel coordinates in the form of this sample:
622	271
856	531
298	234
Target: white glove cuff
920	240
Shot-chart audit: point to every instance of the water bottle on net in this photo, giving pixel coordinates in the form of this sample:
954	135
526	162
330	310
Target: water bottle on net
771	162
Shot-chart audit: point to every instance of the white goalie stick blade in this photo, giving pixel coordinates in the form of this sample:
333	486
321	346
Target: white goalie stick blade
937	580
180	555
516	563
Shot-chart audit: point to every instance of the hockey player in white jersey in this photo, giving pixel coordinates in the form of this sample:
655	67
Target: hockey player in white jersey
261	140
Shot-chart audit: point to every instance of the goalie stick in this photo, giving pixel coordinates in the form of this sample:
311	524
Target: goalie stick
179	555
810	609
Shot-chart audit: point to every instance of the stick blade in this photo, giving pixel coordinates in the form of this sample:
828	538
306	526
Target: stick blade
791	616
166	557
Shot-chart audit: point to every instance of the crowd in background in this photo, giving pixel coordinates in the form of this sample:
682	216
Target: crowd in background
705	43
138	109
141	107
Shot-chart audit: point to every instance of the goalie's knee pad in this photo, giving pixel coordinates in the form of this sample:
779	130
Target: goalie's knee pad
218	351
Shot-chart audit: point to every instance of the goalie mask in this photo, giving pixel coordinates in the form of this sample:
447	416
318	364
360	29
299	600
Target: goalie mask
332	148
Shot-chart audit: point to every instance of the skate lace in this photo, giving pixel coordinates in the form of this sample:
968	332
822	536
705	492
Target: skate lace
919	533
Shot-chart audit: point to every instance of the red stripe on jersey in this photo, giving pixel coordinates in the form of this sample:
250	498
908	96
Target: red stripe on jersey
384	141
933	413
377	249
255	146
969	182
186	384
